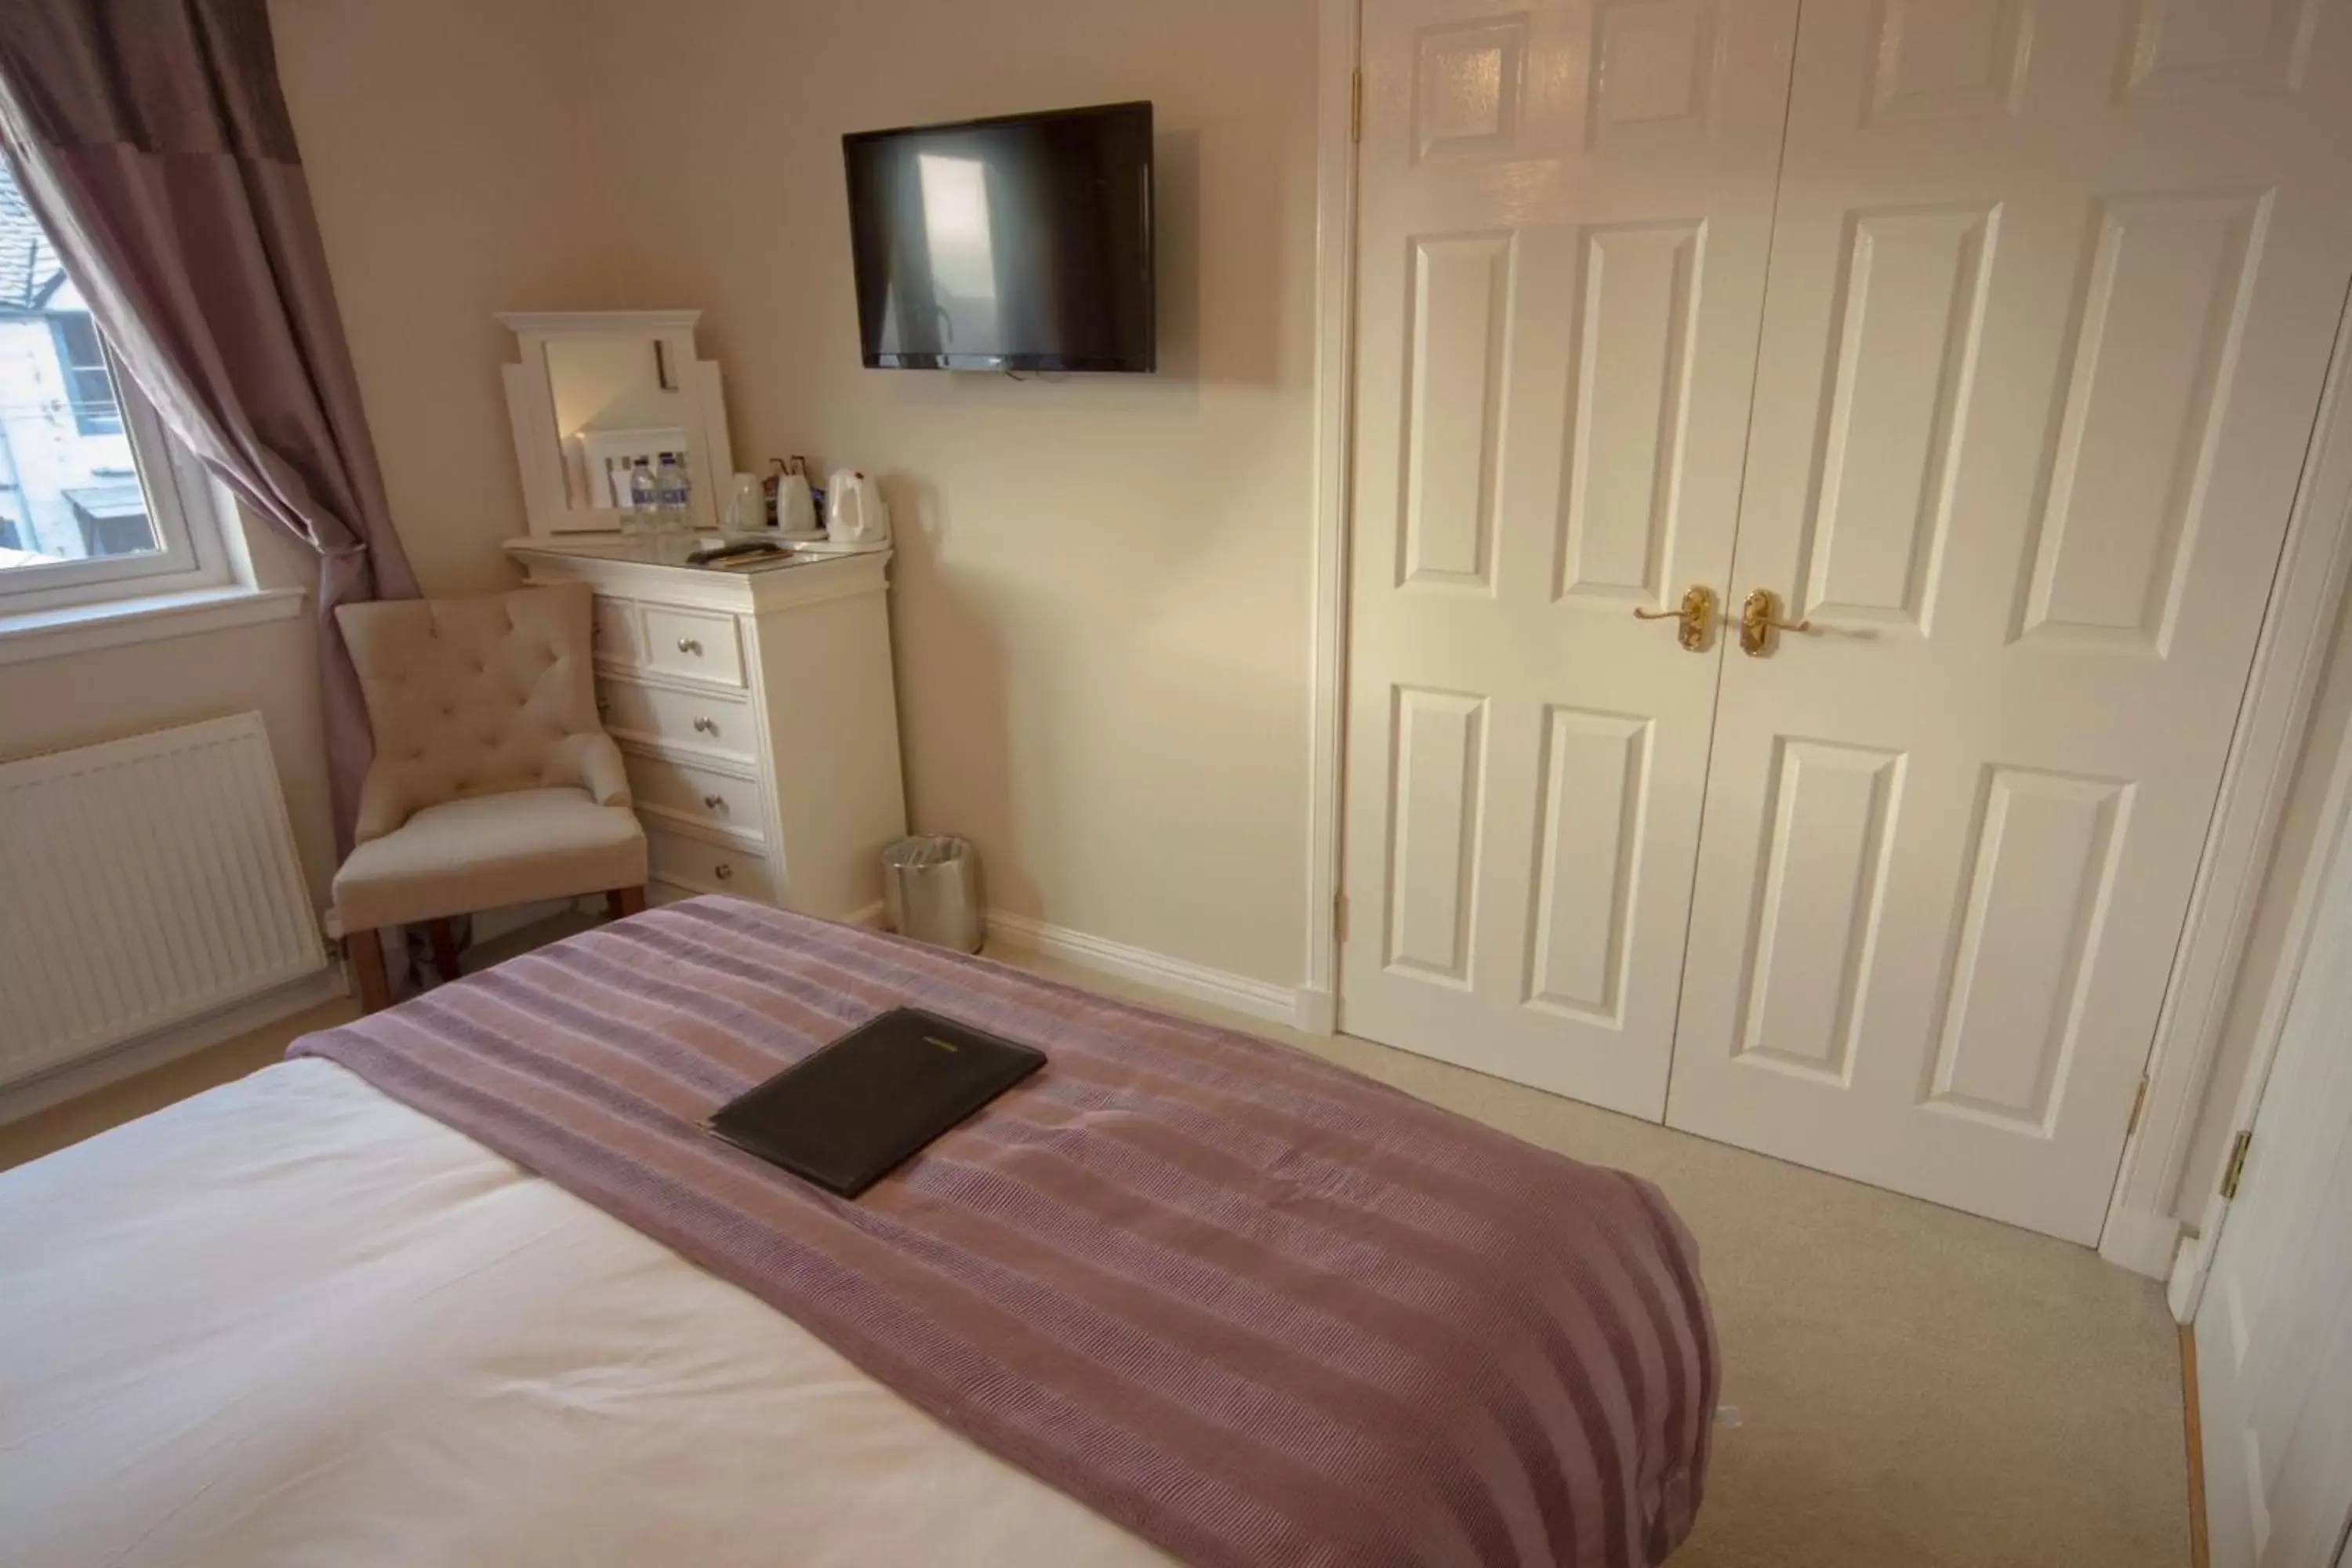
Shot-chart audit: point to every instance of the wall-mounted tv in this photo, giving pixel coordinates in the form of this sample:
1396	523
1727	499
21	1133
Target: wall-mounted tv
1020	243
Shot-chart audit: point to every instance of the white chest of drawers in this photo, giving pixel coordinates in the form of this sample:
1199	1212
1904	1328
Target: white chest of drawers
757	715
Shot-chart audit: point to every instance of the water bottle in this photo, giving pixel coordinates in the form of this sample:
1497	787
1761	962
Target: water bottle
672	485
641	516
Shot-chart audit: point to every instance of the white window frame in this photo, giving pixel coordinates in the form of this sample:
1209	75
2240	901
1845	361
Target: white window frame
182	508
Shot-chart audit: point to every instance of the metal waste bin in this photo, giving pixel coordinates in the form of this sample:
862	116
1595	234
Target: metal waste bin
930	885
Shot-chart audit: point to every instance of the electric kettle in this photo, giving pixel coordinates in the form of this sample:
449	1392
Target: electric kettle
854	511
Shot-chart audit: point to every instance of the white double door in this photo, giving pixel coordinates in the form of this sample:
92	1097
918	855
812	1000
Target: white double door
1985	335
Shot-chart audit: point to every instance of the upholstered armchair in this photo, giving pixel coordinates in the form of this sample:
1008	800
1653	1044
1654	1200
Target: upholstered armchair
494	783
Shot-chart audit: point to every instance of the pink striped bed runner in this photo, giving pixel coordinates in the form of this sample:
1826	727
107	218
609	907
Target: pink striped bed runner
1254	1308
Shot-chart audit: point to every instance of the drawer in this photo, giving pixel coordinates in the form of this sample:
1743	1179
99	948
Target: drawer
707	719
614	631
699	794
692	643
706	868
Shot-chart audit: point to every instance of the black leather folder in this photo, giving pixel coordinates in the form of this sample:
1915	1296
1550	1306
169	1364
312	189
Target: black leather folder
850	1114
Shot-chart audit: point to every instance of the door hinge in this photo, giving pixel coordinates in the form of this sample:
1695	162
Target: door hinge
1355	106
1338	917
2139	1103
2237	1166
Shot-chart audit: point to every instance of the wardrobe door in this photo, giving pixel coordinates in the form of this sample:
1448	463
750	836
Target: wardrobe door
1565	214
2053	286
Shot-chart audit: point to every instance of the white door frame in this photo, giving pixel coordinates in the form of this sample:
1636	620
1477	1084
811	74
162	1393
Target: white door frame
2189	1275
2233	1375
2142	1231
2322	522
1339	28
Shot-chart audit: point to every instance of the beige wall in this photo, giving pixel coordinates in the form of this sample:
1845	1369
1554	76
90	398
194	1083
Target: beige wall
445	181
81	698
1103	582
78	699
450	185
1102	585
451	149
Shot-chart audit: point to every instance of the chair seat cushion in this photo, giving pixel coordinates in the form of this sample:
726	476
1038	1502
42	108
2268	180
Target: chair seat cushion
487	851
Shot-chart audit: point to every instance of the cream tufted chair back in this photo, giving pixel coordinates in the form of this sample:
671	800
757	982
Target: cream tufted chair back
475	697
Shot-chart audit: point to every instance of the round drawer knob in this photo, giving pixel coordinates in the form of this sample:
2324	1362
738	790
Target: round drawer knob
708	726
688	645
723	872
714	802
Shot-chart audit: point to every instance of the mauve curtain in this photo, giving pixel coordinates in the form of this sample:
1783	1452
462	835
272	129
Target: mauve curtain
151	140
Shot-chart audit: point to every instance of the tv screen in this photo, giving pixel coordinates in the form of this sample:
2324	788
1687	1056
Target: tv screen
1023	243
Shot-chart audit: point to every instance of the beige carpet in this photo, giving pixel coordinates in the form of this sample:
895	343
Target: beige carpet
1916	1388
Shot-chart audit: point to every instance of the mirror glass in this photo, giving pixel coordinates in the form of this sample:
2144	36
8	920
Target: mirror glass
619	401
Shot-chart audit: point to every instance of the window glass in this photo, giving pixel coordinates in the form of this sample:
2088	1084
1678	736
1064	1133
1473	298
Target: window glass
71	485
90	387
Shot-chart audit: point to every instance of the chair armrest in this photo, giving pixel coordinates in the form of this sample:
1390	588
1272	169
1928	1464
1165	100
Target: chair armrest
383	805
601	772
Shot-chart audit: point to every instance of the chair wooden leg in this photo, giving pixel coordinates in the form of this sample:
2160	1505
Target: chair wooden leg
443	934
364	951
625	901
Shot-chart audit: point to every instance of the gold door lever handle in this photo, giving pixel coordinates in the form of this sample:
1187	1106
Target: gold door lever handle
1696	615
1757	622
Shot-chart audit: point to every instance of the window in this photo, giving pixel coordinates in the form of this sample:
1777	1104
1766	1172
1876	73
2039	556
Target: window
97	501
89	390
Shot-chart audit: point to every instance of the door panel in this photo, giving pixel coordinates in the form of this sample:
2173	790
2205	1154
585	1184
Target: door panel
1565	211
1823	895
1630	359
2185	48
1909	316
2162	306
1596	775
1434	817
1461	319
2043	872
1936	58
2051	291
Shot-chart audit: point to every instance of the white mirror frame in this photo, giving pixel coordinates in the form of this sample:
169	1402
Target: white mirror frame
530	407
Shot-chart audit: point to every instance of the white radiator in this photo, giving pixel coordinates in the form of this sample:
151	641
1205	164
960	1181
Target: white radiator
143	882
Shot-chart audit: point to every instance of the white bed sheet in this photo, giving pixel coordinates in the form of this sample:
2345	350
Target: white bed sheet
291	1320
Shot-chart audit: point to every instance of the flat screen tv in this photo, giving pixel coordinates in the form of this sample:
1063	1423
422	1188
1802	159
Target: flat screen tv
1023	243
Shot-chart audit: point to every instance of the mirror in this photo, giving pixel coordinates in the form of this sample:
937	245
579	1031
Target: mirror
617	405
597	393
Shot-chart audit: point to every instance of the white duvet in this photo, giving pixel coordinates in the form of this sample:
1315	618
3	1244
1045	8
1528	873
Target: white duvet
293	1322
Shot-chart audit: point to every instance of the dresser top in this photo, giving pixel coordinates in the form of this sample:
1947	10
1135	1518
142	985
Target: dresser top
636	569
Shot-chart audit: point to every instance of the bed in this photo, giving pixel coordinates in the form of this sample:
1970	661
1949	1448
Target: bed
463	1283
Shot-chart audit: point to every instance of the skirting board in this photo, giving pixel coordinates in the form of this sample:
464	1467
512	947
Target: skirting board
2144	1244
1218	987
135	1057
